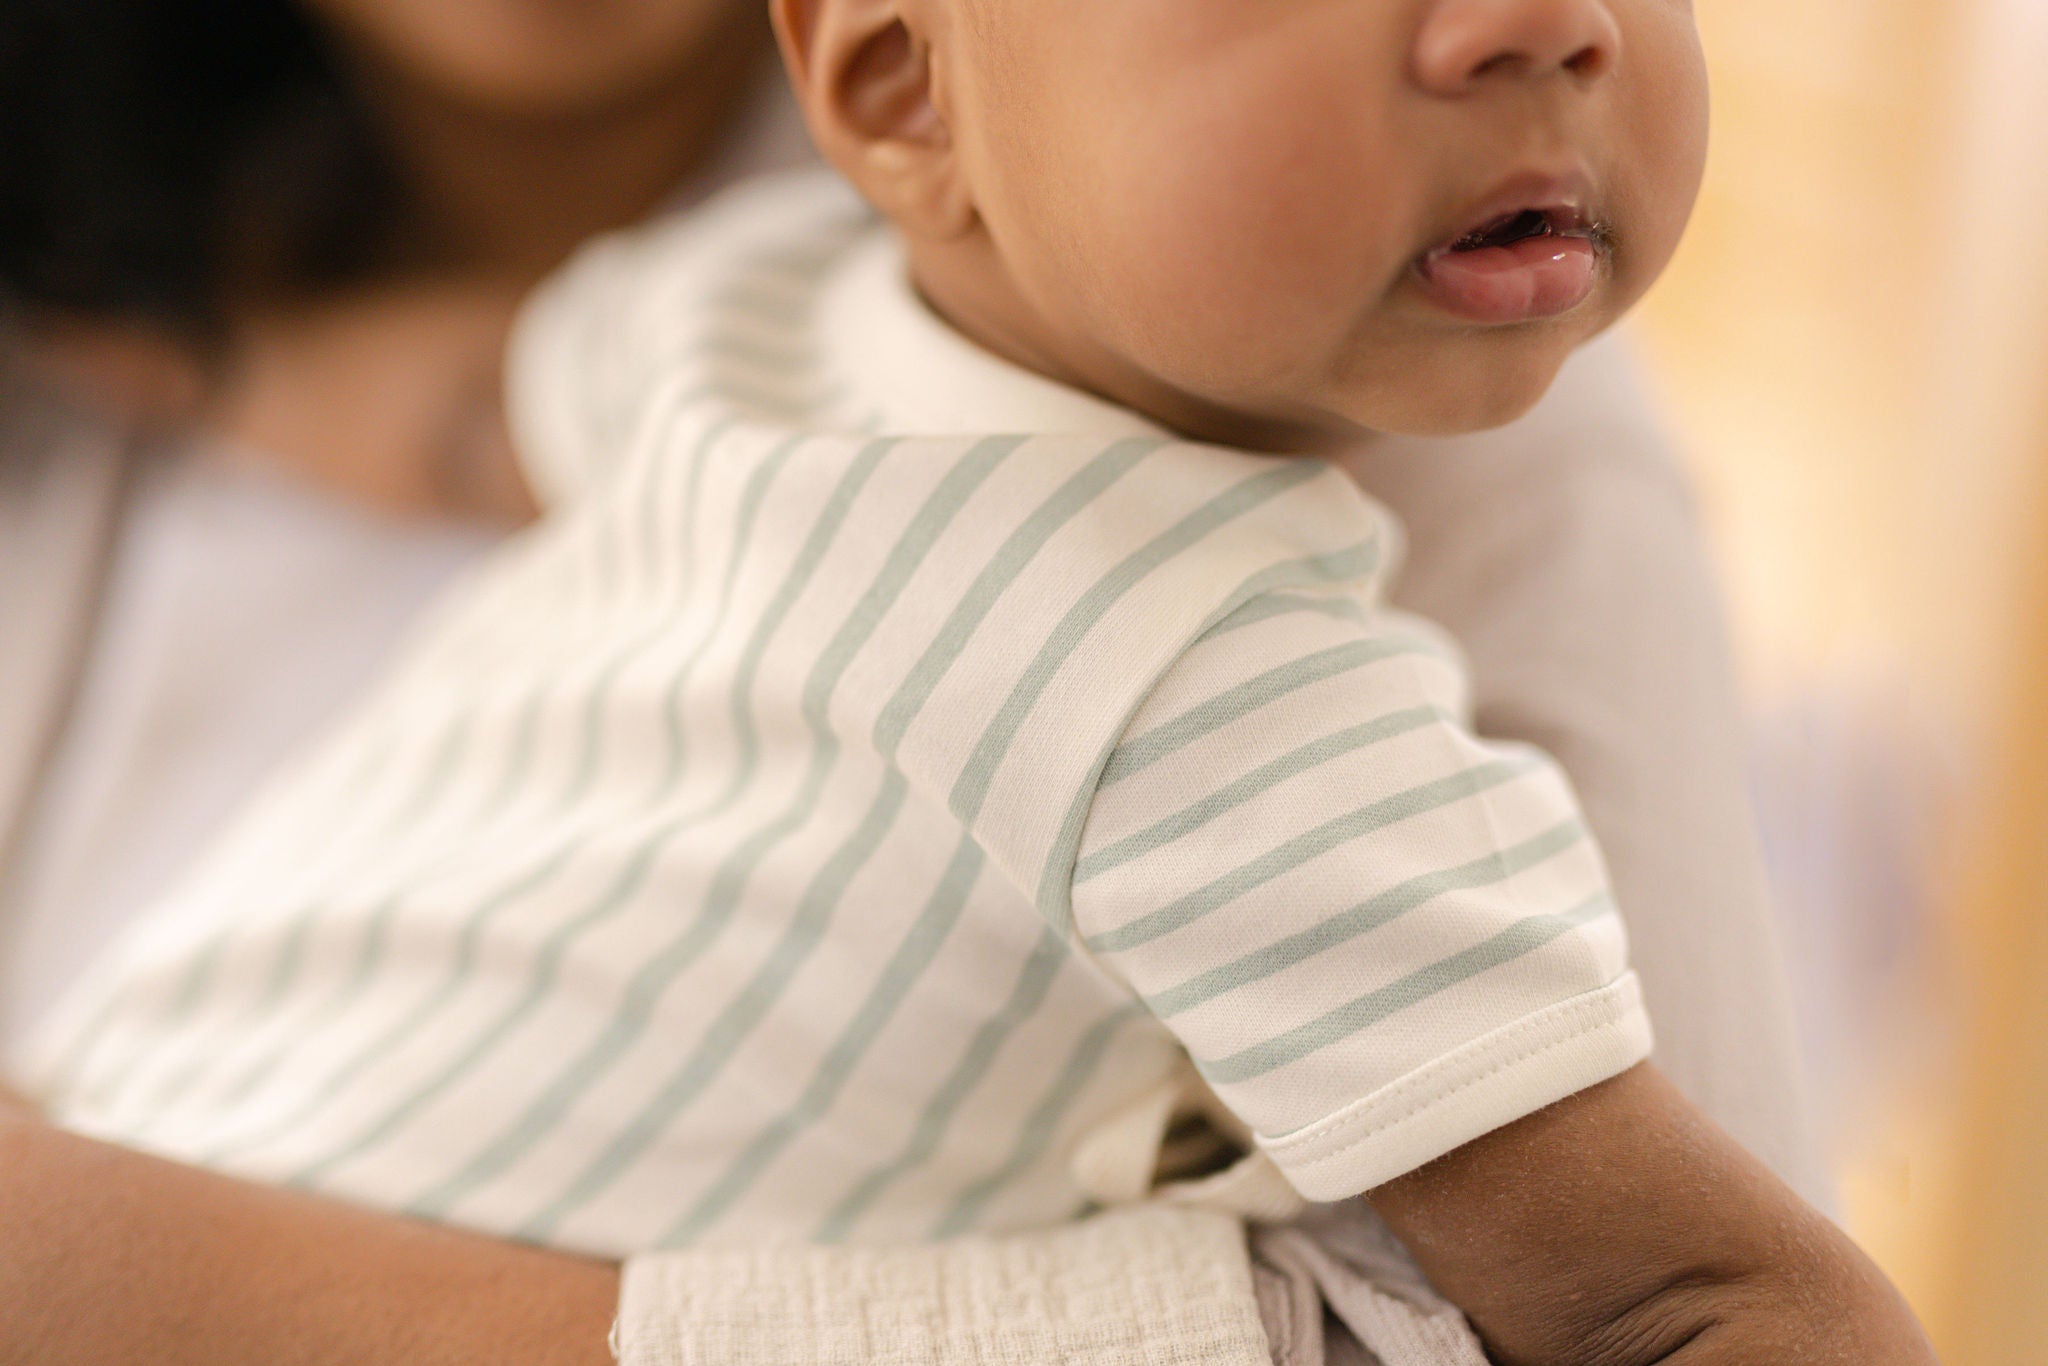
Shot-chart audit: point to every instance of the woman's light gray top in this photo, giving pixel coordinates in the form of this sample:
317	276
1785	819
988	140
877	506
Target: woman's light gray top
239	611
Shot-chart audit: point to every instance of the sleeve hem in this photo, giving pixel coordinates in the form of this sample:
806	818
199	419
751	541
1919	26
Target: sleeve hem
1496	1079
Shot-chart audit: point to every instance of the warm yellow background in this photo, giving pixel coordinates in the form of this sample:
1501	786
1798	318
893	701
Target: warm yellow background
1854	345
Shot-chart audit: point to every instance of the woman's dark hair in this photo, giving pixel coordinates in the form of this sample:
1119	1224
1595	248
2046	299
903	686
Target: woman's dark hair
156	155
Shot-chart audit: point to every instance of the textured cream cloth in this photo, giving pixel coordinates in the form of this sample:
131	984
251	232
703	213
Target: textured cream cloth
1152	1284
1168	1274
1144	1285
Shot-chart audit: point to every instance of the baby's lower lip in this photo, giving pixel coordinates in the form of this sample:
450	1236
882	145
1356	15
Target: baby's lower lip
1538	277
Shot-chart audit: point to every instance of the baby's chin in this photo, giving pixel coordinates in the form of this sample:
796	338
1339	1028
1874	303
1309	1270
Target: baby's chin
1449	396
1344	416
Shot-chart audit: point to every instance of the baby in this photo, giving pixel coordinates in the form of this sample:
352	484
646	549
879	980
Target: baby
948	696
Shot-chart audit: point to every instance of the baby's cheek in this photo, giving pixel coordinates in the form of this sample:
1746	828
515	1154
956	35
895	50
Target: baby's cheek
1241	255
1665	159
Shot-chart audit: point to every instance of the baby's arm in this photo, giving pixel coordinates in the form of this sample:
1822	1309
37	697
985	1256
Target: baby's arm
1619	1228
1565	554
1387	945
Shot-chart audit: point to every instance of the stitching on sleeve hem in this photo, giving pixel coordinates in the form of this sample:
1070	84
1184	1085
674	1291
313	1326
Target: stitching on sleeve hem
1614	1004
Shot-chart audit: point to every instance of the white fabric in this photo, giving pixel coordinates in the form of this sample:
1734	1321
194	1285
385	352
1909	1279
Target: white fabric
984	734
202	678
1340	1267
1150	1285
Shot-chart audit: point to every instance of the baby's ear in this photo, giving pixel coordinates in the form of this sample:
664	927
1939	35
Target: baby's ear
863	72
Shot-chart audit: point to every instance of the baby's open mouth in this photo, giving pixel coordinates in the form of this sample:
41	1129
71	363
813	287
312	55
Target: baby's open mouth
1526	264
1520	226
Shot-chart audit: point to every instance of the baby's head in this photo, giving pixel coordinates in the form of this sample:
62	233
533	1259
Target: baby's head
1270	222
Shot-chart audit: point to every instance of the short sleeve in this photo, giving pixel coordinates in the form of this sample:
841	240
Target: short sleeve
1378	935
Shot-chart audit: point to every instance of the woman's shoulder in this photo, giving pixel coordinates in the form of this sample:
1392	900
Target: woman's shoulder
59	458
62	475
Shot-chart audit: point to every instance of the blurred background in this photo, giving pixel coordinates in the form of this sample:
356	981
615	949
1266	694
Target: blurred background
1854	348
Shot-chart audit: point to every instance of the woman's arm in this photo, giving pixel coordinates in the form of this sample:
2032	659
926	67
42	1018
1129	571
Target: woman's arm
108	1255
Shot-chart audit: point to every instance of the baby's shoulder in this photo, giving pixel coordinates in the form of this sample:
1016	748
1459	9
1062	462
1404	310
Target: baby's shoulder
715	296
1071	584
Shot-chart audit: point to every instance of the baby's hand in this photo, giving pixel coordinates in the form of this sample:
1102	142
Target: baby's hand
1620	1228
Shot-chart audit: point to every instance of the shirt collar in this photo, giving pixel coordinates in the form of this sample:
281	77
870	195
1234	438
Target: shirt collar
921	377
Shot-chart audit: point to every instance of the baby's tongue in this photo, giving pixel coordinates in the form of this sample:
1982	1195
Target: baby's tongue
1537	277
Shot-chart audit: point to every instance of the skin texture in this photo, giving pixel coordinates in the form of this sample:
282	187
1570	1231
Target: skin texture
1620	1228
1211	211
540	60
109	1256
523	127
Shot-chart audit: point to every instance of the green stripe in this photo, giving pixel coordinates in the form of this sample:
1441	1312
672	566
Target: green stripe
73	1068
765	303
782	354
777	288
661	627
1264	778
649	984
1142	751
525	743
971	788
291	955
795	581
369	957
785	409
752	495
1041	1126
1517	940
790	409
1310	844
198	981
547	959
1017	551
1056	878
1269	605
919	946
547	963
1370	914
519	759
1027	994
415	1023
750	292
1038	973
724	1038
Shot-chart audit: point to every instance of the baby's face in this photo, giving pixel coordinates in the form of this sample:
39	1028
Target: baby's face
1292	218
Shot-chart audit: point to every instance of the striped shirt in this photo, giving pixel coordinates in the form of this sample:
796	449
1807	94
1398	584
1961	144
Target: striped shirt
879	768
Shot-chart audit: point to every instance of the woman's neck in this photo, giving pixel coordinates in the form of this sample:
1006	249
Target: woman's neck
508	195
388	394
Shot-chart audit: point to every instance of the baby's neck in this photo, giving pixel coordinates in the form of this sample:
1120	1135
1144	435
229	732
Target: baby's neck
965	285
